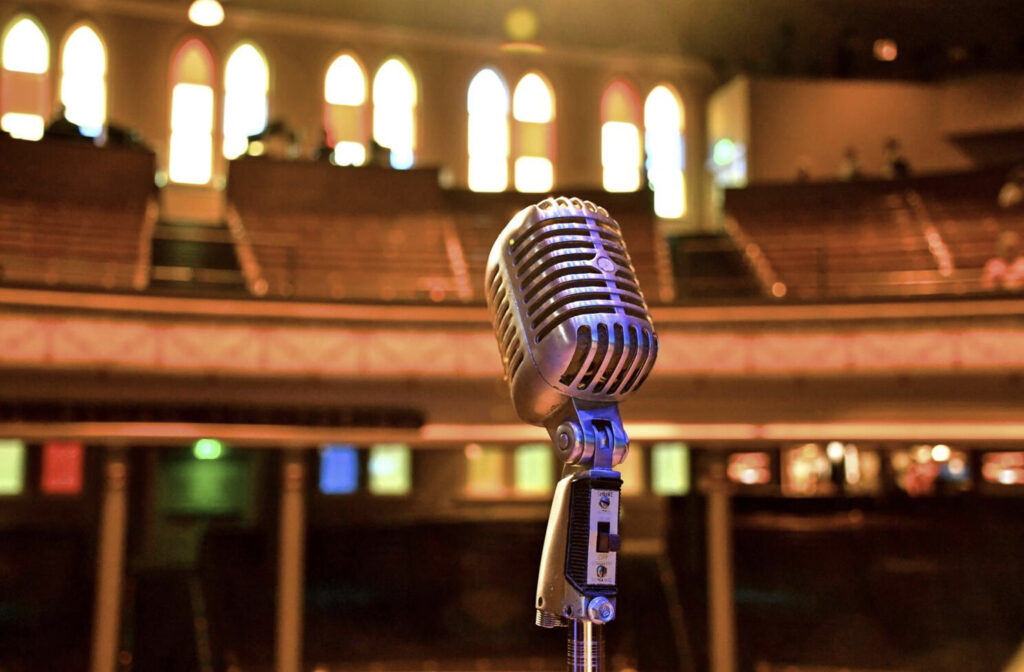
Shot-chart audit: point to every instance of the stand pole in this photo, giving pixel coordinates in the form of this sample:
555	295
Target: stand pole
586	647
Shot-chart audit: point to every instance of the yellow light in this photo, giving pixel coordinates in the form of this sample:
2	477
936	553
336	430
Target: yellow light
349	154
941	452
25	48
835	451
345	83
206	13
23	126
534	174
620	156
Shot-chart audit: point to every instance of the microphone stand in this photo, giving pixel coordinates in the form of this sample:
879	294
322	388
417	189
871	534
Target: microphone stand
576	585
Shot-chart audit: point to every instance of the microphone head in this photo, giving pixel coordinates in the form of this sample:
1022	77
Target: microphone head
567	310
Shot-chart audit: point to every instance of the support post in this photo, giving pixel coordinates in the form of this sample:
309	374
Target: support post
110	563
721	614
291	563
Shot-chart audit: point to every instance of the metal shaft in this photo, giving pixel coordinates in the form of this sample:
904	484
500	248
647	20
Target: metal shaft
586	647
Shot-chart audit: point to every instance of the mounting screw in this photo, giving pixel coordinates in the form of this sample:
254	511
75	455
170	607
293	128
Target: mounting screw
601	571
604	502
569	442
601	610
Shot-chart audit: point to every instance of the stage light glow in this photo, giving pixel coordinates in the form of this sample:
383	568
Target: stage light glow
485	470
670	468
206	13
390	469
941	452
885	49
835	451
12	467
724	152
62	468
534	469
749	468
339	469
207	449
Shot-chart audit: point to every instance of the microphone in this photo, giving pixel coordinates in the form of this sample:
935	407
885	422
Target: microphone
575	338
571	322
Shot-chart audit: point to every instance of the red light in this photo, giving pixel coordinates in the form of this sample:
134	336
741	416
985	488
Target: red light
62	468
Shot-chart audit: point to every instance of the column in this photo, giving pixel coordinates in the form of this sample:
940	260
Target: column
110	563
291	559
721	616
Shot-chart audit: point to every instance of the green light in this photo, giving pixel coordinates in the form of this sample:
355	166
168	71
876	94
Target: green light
535	472
12	466
207	449
670	468
724	152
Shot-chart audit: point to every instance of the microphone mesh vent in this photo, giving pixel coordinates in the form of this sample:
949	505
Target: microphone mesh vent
576	264
505	326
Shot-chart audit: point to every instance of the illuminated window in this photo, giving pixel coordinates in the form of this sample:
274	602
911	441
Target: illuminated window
534	469
191	151
394	112
62	468
344	111
485	470
246	81
533	108
487	102
83	81
24	91
390	469
670	468
620	138
663	138
339	470
632	471
12	467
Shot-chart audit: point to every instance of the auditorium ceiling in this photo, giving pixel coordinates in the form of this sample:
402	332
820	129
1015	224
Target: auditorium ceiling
788	37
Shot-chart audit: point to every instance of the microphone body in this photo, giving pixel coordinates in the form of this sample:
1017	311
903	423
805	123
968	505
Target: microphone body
570	319
575	338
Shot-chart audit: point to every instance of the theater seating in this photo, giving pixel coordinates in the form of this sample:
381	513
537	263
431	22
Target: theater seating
72	214
920	236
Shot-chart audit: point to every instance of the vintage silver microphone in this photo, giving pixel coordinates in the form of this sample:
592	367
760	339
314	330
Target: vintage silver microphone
575	337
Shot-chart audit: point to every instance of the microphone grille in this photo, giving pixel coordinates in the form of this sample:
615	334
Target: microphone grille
510	339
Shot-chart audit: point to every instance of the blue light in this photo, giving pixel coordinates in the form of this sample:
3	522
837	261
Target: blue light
339	470
90	131
401	159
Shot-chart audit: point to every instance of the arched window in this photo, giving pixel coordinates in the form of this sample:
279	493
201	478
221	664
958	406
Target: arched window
620	138
394	111
83	81
191	153
533	108
487	102
246	81
663	139
344	116
24	91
